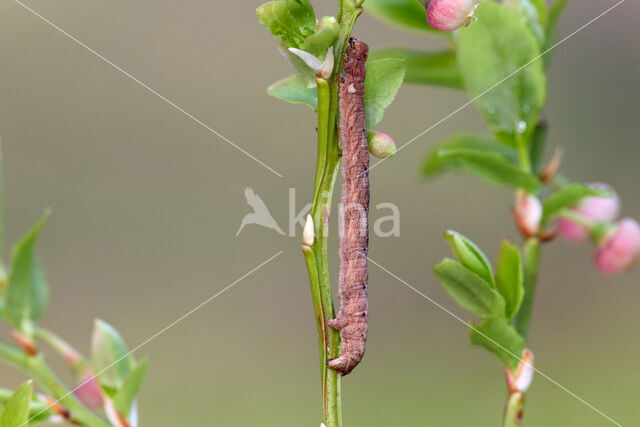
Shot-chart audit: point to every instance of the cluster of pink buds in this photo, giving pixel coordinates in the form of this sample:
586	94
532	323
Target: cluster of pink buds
449	15
618	244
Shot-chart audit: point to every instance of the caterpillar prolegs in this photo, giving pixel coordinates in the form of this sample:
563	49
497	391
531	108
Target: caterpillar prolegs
354	211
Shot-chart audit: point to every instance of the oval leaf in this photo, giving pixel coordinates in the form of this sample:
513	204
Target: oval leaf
16	412
497	336
290	89
500	64
569	196
110	357
426	68
470	255
469	290
409	14
490	166
124	398
28	292
383	80
509	277
292	20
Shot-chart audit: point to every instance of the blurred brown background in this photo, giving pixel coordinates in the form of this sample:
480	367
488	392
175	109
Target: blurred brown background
147	203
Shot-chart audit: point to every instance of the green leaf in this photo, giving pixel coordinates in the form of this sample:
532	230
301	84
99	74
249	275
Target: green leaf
290	89
509	277
110	354
569	196
497	336
408	14
470	255
124	398
490	166
500	65
16	412
534	13
28	292
433	164
427	68
290	20
555	11
469	290
384	78
327	34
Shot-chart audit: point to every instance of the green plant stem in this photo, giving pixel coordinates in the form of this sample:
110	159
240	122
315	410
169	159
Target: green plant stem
316	257
513	410
531	259
523	153
36	368
63	348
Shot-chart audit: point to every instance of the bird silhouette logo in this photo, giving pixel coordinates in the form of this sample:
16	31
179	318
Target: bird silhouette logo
260	215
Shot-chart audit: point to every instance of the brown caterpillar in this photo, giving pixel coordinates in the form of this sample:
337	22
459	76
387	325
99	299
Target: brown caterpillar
354	211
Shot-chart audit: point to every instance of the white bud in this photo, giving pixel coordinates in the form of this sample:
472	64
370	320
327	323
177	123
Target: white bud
327	66
528	213
322	69
524	374
308	235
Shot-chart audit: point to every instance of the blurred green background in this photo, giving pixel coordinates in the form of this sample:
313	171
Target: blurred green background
147	204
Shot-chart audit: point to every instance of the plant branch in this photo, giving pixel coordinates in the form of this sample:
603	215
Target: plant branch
36	368
316	257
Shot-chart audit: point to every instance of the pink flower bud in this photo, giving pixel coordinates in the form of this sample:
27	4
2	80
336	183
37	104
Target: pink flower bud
89	392
617	252
596	209
449	15
528	213
381	145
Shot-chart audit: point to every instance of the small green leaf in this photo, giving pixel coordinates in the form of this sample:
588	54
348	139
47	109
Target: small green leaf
470	255
28	292
569	196
490	166
384	78
289	20
534	14
427	68
110	354
509	277
124	398
16	412
500	64
434	164
290	89
327	34
469	290
497	336
409	14
555	11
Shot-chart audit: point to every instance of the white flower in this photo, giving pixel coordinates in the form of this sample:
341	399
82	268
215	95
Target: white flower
322	69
